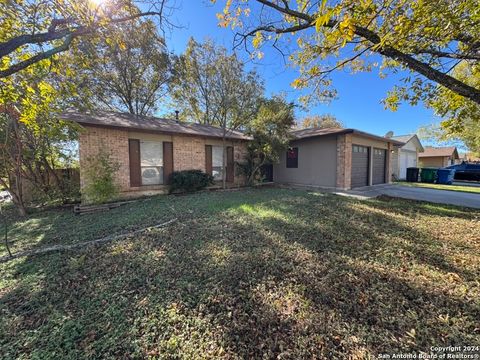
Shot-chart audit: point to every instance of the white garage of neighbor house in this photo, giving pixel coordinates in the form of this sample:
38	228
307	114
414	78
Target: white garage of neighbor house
406	155
336	159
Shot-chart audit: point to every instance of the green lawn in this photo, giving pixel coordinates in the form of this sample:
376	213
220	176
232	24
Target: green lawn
462	188
266	273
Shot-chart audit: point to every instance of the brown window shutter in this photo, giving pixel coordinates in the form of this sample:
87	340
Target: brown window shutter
134	160
167	161
230	164
208	159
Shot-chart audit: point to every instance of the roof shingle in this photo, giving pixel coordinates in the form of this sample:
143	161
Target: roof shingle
439	151
313	132
403	138
148	123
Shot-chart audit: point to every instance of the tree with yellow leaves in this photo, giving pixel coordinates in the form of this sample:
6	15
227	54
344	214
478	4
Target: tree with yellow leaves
425	37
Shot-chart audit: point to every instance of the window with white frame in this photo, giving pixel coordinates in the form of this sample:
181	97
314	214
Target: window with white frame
151	162
217	162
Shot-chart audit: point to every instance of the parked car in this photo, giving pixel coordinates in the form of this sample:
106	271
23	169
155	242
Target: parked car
466	171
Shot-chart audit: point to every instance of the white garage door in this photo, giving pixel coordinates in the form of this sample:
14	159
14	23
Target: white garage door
407	159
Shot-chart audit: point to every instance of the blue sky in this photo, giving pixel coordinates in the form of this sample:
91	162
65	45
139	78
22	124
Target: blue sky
359	95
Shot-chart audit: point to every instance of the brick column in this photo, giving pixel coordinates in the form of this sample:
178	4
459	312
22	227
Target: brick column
344	161
388	170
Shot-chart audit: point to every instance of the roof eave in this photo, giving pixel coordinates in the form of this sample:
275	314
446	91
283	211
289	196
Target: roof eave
343	131
376	137
352	131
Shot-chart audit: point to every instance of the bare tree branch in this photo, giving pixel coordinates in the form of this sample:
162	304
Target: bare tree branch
65	29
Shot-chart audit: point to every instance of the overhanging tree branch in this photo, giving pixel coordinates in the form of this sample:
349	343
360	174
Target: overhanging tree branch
449	55
36	58
387	50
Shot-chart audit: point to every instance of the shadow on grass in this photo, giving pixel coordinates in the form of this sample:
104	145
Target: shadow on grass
62	226
262	274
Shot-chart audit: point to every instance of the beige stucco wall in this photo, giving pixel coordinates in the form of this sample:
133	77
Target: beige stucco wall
434	161
317	163
359	140
149	137
188	154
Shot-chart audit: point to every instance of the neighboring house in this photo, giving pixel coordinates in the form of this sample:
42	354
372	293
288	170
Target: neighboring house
469	157
438	156
406	155
335	158
149	149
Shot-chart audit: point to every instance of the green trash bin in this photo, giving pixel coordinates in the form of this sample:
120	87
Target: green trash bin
428	175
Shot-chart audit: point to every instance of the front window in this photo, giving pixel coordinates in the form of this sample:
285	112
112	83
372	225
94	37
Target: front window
151	162
292	157
217	162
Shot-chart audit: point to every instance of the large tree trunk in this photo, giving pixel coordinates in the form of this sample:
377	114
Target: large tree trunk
18	195
22	210
256	169
15	189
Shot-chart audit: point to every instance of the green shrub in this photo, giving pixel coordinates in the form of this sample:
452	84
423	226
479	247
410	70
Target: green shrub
100	172
189	180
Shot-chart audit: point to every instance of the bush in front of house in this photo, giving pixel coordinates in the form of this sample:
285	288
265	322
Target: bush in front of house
101	186
189	180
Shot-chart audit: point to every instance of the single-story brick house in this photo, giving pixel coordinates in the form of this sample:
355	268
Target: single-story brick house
336	159
438	157
149	149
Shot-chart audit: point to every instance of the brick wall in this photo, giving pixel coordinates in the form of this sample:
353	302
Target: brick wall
344	161
188	153
389	160
115	142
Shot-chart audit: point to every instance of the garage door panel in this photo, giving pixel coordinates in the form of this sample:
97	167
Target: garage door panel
407	159
379	166
359	175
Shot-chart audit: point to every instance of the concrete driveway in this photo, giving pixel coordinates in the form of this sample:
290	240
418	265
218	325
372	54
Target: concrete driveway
424	194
